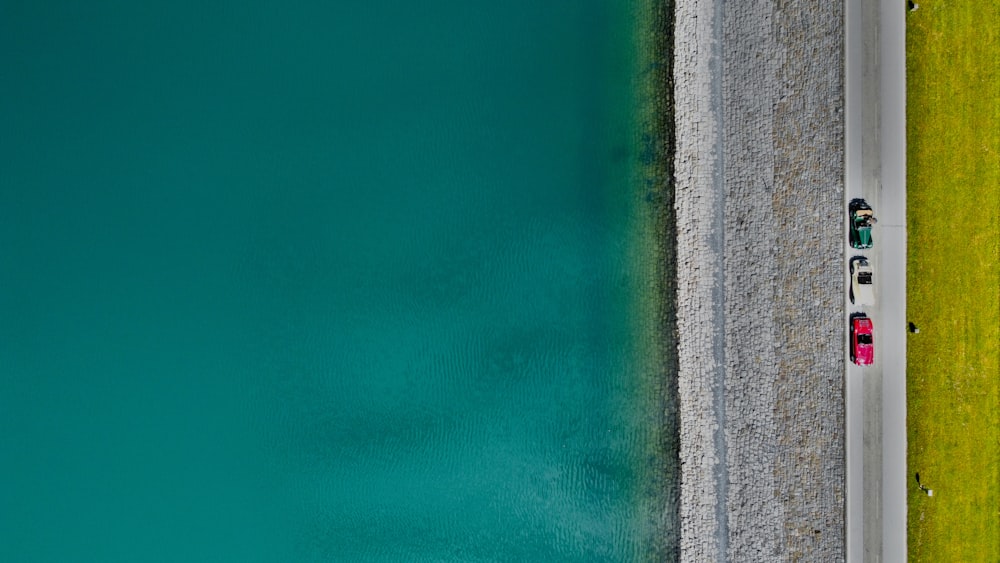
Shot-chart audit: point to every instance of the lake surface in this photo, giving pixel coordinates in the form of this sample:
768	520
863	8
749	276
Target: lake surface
367	281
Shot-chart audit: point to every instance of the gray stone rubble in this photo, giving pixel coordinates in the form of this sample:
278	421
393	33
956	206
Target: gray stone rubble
759	203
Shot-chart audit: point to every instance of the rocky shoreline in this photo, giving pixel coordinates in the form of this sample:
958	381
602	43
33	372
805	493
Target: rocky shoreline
758	197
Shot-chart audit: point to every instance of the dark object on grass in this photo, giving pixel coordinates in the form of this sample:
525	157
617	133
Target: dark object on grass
929	492
913	328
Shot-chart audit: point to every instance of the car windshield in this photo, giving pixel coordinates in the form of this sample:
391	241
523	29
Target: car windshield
864	339
865	278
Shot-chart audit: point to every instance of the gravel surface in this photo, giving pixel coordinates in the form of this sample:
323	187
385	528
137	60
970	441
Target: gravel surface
698	201
759	202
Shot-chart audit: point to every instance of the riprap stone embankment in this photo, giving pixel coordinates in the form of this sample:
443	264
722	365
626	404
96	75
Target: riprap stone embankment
758	163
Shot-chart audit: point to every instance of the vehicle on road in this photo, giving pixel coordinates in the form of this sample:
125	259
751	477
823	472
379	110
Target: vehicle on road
861	218
862	289
862	340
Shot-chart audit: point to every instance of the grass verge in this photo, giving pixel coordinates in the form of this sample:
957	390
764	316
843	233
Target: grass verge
953	273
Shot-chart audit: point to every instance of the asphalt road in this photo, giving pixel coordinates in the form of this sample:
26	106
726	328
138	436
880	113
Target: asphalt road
876	171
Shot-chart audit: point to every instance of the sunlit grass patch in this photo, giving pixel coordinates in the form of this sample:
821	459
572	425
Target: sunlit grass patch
953	277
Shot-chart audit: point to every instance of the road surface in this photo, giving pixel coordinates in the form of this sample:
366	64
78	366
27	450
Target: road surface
876	171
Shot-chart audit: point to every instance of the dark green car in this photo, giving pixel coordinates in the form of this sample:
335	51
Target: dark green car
861	218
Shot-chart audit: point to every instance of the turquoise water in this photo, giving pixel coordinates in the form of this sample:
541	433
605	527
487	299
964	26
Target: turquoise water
348	282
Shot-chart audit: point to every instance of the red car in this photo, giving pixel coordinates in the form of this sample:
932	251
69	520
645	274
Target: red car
862	340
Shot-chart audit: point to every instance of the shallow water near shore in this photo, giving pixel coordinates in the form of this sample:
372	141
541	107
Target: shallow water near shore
358	283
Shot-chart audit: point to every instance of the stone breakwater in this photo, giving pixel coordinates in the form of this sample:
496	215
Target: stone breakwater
758	197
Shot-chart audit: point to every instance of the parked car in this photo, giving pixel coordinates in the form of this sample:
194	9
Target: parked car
862	340
861	219
862	289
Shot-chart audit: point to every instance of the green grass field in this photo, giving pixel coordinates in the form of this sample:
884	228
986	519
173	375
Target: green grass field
953	277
